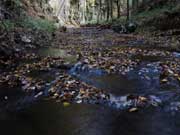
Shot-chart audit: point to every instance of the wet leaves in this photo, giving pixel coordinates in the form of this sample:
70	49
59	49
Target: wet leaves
116	59
67	89
135	102
64	88
19	75
102	52
170	71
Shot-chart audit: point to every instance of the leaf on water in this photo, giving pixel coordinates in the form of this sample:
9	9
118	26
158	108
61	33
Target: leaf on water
134	109
56	95
176	75
82	91
164	80
66	104
142	98
170	71
39	94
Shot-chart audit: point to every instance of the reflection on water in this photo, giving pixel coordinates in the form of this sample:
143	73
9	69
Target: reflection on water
116	84
57	52
49	118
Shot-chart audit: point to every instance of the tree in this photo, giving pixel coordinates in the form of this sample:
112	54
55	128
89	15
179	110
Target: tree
118	5
108	9
128	13
111	8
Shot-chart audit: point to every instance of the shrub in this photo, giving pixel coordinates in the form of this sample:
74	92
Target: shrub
7	24
37	23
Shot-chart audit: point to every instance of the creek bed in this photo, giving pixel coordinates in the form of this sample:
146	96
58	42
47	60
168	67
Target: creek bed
49	117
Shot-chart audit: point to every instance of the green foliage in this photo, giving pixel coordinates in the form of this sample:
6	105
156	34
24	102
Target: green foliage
12	4
176	8
21	19
17	3
37	23
7	24
149	14
121	20
29	22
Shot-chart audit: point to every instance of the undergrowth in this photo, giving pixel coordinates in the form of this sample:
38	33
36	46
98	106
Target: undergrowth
38	24
29	23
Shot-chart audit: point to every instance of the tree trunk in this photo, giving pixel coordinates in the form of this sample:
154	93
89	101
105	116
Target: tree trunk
118	8
128	15
108	10
100	6
111	8
99	16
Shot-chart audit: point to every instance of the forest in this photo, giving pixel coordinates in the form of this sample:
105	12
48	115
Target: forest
89	67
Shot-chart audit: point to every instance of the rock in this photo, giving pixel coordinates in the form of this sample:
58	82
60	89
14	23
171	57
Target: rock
174	106
155	101
6	52
26	39
1	15
131	27
119	28
6	97
63	29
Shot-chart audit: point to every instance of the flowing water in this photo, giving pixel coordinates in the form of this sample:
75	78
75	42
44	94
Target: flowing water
47	117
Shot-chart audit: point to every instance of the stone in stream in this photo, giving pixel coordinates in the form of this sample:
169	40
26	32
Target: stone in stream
130	27
119	28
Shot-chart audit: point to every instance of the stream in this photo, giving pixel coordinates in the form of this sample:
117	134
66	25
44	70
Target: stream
48	117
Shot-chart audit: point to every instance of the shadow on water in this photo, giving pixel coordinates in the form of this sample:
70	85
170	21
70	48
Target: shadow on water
56	52
47	118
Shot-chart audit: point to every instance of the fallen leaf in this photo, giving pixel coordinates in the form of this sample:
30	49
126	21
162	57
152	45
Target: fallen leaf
134	109
66	104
